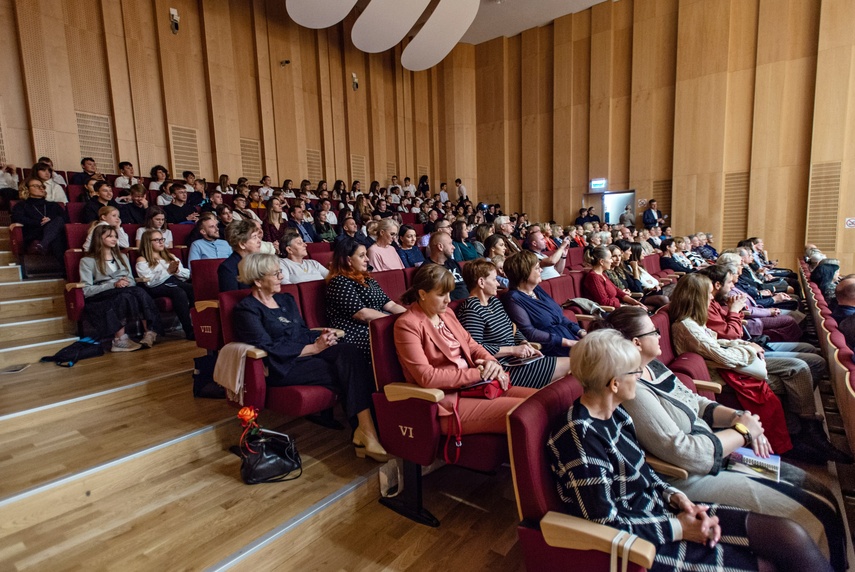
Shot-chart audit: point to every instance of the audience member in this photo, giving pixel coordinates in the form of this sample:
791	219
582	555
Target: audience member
245	238
669	260
597	285
155	219
411	255
294	265
43	222
274	226
179	211
126	178
295	220
464	249
53	191
505	228
534	312
210	245
652	216
845	309
103	197
296	355
165	276
350	229
90	171
112	298
159	176
382	255
825	276
134	211
110	216
441	250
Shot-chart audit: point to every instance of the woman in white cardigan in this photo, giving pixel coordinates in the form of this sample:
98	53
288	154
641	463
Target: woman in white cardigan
698	435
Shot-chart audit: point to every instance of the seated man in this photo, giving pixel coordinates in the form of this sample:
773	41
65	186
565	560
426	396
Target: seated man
103	197
552	266
134	211
441	251
43	221
762	292
704	248
90	170
178	211
306	230
351	229
505	228
295	266
210	245
845	310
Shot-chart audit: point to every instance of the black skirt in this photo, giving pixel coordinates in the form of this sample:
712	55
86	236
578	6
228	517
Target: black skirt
110	311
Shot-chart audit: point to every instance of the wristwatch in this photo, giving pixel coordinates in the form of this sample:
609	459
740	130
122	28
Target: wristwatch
743	430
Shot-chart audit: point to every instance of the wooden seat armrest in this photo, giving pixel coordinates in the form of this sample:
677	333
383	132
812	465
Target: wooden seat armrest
256	353
536	346
666	468
677	274
338	333
203	305
637	295
15	225
590	317
402	391
712	386
180	246
608	308
74	285
565	531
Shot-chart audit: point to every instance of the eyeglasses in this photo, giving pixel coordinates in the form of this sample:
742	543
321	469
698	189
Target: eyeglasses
158	240
39	186
278	274
655	332
637	373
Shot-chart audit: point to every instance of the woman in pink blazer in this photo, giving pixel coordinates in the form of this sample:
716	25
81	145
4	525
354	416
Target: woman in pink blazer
436	351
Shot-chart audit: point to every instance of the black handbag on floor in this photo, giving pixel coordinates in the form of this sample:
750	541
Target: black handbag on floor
269	457
82	349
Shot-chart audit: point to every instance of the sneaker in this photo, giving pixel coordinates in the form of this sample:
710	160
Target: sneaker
125	344
148	339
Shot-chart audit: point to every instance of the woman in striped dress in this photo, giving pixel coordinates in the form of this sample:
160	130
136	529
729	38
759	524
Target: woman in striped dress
484	317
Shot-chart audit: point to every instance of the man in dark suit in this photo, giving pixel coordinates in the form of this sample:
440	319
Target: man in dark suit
295	220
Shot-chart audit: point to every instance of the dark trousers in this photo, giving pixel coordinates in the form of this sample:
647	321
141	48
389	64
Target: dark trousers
181	294
343	369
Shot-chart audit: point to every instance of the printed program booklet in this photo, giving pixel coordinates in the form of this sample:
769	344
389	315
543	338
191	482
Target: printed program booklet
744	460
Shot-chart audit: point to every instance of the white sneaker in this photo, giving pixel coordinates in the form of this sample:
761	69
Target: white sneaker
124	344
148	339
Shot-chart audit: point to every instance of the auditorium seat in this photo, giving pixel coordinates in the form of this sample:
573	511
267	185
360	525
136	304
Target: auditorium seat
408	276
74	193
294	400
409	428
323	257
180	232
313	303
313	247
75	234
408	218
205	313
575	259
550	539
75	212
392	282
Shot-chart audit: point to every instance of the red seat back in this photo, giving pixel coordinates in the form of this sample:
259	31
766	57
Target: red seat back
72	264
387	368
419	228
206	285
131	230
660	320
313	247
563	288
16	240
76	234
575	258
577	277
312	303
180	232
75	212
408	218
228	301
392	282
529	427
323	257
74	192
408	276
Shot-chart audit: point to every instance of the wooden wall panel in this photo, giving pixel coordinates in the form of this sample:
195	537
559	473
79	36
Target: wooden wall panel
118	75
14	117
265	90
580	111
537	128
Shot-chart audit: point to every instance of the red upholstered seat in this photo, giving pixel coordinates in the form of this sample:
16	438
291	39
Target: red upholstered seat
391	282
575	259
313	247
296	400
206	316
313	303
419	228
73	296
408	218
563	288
75	211
131	230
529	426
409	429
76	233
690	365
16	240
180	232
74	192
323	257
408	276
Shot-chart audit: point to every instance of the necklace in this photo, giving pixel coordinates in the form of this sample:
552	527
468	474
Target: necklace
43	213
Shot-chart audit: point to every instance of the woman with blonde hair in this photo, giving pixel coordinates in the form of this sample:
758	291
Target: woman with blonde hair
110	216
296	355
382	255
166	277
112	298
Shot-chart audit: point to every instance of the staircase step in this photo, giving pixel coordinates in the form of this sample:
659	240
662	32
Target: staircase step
178	505
31	289
10	273
22	328
83	433
32	349
5	244
4	232
6	257
42	307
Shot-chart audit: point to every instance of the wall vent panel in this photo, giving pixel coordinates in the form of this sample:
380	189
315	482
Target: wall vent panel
95	134
421	170
185	149
314	165
391	169
662	193
823	206
3	158
250	160
357	169
735	221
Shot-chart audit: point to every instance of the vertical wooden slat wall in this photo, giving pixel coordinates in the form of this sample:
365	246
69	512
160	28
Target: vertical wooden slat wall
688	95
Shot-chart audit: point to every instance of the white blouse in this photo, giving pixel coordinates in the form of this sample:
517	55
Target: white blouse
160	273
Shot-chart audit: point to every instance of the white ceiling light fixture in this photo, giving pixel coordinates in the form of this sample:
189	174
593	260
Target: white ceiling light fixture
440	34
384	23
318	14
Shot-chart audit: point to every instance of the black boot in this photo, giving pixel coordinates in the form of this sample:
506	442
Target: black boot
814	436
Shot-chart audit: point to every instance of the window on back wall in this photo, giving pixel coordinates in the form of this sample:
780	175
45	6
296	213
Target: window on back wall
95	135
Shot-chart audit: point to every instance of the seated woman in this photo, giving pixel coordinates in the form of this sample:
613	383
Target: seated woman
297	355
826	275
323	228
485	319
681	253
696	434
668	260
295	266
112	298
602	476
274	225
640	279
435	351
155	219
382	255
353	297
597	286
166	277
463	249
790	377
537	315
43	221
495	247
110	216
244	237
411	255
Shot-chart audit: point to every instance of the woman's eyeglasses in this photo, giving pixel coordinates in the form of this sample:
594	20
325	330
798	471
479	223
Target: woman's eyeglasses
637	373
158	240
655	332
